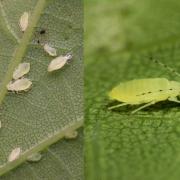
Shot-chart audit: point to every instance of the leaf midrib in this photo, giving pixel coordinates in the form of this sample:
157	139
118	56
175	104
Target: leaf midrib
20	51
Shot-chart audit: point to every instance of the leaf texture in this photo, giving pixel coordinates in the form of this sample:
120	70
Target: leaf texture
38	118
119	145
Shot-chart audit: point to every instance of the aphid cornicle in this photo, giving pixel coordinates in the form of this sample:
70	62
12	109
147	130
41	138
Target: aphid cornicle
145	91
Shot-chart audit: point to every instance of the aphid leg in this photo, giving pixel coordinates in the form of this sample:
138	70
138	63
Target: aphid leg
142	107
174	99
119	105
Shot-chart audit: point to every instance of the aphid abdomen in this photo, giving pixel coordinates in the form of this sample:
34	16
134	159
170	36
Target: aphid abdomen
141	91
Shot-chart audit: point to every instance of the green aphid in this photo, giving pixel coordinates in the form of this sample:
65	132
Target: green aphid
145	91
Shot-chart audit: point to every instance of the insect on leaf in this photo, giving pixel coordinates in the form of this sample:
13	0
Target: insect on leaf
41	116
120	145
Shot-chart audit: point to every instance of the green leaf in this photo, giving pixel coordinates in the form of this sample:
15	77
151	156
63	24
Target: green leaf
120	145
35	119
62	160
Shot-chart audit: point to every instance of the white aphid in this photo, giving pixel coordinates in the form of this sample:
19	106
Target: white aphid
23	22
58	62
72	134
21	70
50	50
23	84
14	154
34	157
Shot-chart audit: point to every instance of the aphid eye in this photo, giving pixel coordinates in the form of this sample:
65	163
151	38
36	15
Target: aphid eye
149	92
170	89
160	90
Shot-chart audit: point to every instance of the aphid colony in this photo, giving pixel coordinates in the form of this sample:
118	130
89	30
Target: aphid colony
19	83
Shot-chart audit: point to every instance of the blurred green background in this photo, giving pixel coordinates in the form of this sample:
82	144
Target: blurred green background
120	36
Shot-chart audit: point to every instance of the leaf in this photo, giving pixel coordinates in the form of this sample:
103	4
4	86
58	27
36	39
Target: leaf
63	159
120	145
40	117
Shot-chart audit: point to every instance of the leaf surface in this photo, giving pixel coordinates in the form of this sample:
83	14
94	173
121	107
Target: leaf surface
62	160
35	119
120	145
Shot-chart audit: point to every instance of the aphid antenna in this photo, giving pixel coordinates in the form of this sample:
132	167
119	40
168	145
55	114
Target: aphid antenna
165	66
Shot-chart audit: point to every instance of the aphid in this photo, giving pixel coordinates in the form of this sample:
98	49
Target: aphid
145	91
23	84
23	22
34	157
21	70
50	50
71	134
58	62
15	153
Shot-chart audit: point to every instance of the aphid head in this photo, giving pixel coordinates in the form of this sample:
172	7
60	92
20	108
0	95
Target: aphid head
68	57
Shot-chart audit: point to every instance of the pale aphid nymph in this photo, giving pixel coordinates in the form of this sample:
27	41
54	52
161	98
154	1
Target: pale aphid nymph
50	50
15	153
23	22
34	157
19	85
71	134
145	91
58	62
21	70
